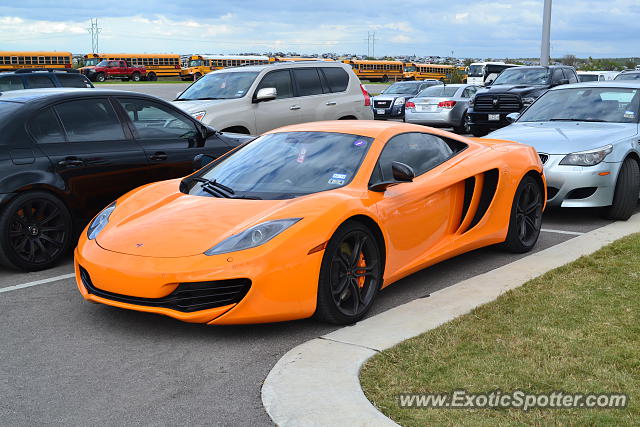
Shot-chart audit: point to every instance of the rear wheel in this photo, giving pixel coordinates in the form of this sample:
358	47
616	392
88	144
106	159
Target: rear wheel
152	77
350	276
463	127
36	231
384	79
101	77
135	77
625	198
526	216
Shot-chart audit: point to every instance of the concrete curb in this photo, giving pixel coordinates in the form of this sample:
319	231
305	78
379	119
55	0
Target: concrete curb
317	384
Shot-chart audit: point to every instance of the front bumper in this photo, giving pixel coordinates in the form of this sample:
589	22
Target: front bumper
481	119
436	118
393	112
580	186
283	285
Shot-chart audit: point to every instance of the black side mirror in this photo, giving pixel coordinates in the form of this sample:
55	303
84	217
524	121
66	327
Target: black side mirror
401	173
202	160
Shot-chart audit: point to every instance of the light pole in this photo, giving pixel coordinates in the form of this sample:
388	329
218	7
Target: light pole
546	34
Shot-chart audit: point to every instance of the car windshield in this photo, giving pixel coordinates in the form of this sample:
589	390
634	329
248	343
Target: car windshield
91	62
476	71
614	105
288	164
628	76
402	89
439	91
410	68
220	85
195	63
523	76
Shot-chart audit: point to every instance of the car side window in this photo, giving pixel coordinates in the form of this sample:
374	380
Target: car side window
557	76
39	81
336	78
570	75
72	80
281	80
154	121
307	81
8	83
45	127
421	151
90	120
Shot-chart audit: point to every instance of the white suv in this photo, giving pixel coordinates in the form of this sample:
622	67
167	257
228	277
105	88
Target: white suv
257	98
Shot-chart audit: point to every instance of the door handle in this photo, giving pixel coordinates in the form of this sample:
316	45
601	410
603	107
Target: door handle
70	162
331	103
294	107
159	156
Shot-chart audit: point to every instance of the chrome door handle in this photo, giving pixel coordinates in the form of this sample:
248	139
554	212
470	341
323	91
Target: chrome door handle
331	103
294	107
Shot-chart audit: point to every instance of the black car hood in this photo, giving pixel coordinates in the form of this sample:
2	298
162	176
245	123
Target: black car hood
515	89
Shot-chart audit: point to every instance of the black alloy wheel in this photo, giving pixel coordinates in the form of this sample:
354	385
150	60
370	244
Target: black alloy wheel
351	275
526	216
36	231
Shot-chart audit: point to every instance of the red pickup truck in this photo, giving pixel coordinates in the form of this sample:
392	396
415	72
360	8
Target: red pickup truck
114	70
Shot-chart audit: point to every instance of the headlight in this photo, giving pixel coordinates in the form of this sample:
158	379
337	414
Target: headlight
252	237
199	115
587	158
527	101
398	101
100	221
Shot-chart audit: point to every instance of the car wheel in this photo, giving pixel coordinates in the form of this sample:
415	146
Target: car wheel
625	197
101	77
197	76
350	276
36	231
152	77
526	216
463	128
135	77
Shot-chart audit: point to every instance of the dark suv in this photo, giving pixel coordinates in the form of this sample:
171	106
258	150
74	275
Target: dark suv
37	78
66	153
512	91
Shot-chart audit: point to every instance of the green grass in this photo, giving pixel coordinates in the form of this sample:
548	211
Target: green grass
575	329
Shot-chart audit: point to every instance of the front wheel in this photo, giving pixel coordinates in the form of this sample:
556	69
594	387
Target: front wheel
625	197
101	77
526	216
197	76
135	77
36	231
350	276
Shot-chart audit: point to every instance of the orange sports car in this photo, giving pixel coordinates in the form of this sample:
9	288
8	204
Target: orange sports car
310	219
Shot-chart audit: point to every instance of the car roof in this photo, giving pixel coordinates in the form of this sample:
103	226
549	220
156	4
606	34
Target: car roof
625	84
284	64
27	95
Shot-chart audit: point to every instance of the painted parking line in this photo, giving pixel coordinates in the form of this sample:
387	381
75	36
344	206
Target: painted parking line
573	233
37	282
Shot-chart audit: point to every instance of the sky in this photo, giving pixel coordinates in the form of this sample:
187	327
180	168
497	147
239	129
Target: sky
462	28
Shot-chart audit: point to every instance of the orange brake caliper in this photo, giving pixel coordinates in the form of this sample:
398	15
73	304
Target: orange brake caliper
361	263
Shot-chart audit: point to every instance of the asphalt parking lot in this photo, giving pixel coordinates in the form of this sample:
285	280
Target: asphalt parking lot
67	361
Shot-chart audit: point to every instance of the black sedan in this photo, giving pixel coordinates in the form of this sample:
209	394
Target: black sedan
66	153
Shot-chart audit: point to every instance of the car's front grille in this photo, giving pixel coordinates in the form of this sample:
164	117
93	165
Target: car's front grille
510	103
382	104
543	157
187	297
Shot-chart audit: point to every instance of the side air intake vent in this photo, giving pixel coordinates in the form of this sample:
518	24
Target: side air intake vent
479	192
488	191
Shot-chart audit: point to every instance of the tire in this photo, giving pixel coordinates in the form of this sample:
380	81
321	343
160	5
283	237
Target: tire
36	231
526	216
197	76
152	77
463	127
101	77
625	197
135	77
349	283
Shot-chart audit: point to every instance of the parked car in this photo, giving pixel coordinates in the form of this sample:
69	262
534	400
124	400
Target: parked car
512	91
587	138
628	75
35	78
390	103
596	76
441	106
67	153
119	69
255	99
310	219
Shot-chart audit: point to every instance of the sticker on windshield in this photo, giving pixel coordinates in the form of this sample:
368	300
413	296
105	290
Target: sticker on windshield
359	143
629	114
339	176
334	181
301	155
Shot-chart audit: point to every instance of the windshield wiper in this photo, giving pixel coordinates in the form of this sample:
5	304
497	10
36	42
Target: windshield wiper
217	189
575	119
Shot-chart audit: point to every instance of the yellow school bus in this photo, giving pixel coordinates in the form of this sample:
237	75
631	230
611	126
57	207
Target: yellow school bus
157	65
19	60
199	65
377	70
296	58
416	71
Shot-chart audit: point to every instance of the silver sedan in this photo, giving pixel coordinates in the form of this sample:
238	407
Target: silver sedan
587	137
441	106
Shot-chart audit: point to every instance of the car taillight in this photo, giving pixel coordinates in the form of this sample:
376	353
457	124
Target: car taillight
367	98
409	104
67	65
177	67
446	104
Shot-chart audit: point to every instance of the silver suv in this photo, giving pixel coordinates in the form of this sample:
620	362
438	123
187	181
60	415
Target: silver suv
257	98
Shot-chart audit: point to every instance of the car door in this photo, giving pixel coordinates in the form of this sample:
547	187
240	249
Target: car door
310	95
337	102
417	214
282	111
169	138
96	157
